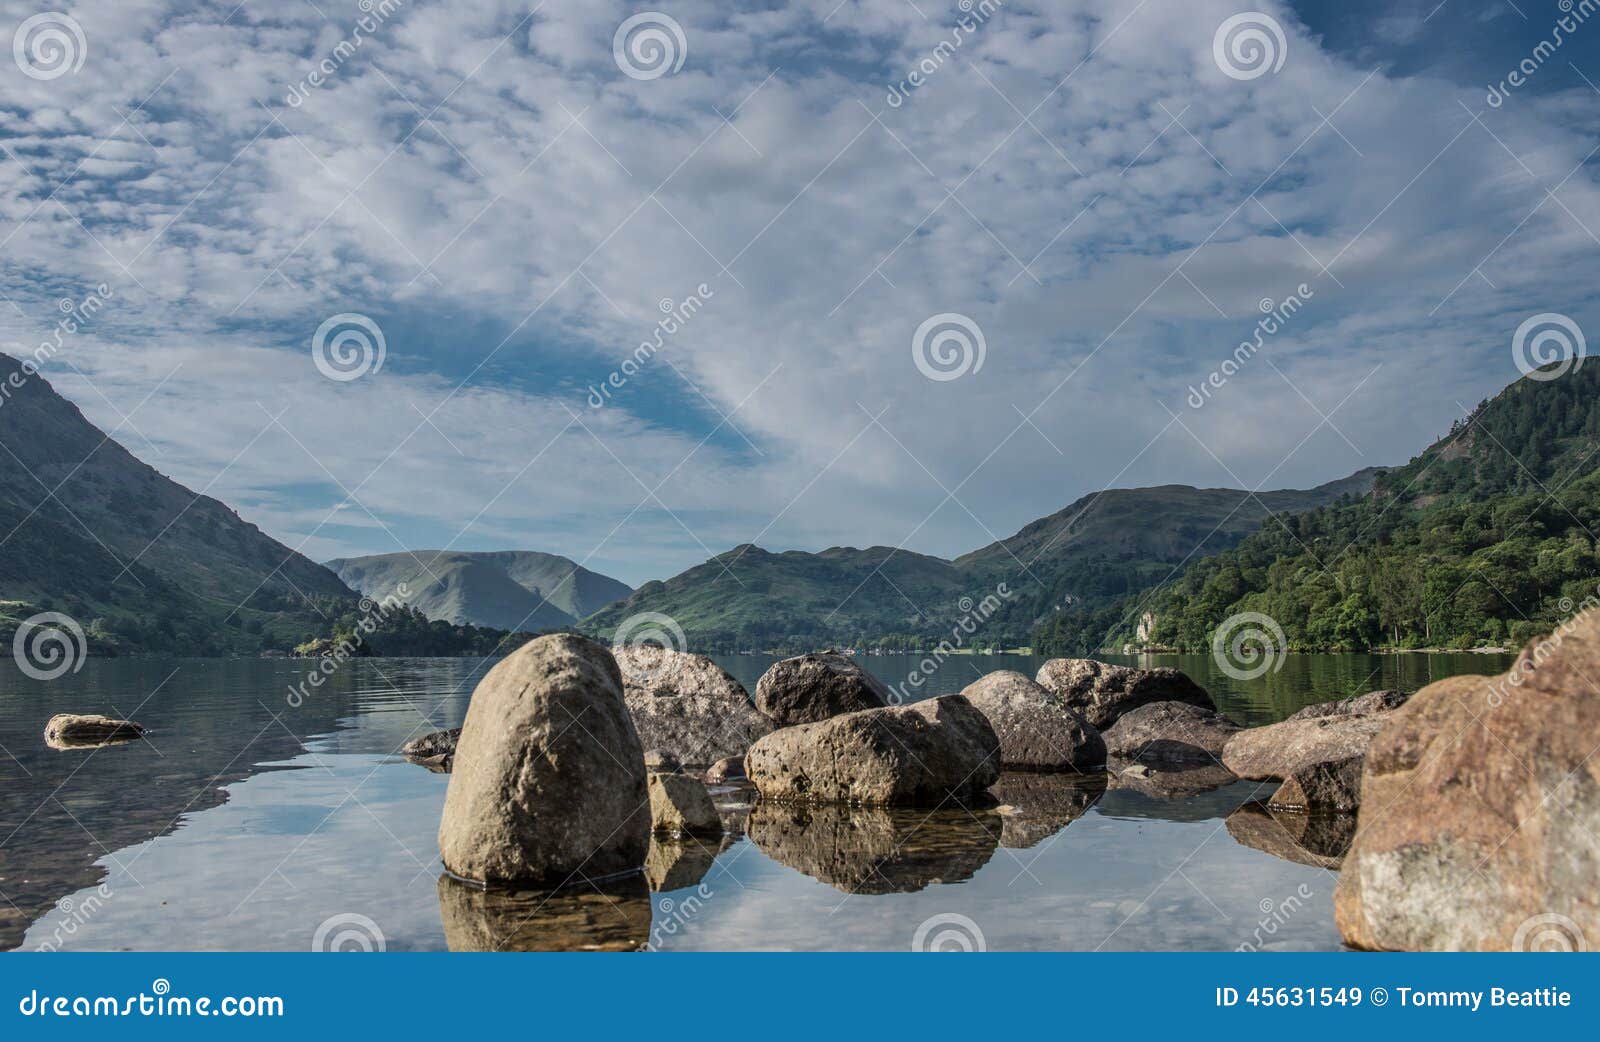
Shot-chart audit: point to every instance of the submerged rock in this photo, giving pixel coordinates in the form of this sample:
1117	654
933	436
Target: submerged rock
728	769
1278	750
680	805
1361	705
1036	806
674	863
876	850
686	705
1480	818
1170	732
1319	840
549	779
606	916
1327	787
1176	781
928	752
810	688
1102	692
1038	731
87	731
434	751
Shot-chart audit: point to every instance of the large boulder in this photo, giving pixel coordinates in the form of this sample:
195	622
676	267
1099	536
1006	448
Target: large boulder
84	731
687	705
1038	731
928	752
1278	750
680	805
1480	810
1170	732
1322	787
809	688
1103	692
549	780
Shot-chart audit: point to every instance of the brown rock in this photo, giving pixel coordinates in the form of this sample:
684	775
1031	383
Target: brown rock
728	769
1170	732
810	688
1103	692
1278	750
680	805
1326	787
1361	705
87	731
1038	731
1319	840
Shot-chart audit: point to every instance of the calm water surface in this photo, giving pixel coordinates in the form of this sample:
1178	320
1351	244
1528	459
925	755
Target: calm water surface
243	823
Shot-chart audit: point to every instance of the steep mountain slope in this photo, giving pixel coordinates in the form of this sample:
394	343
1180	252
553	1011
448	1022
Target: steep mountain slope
505	589
1488	536
88	529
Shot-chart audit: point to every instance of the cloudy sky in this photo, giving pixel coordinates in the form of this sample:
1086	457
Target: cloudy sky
1109	192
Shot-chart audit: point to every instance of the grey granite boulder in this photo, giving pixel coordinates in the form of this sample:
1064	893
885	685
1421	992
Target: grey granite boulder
1170	732
686	705
680	805
1278	750
1038	731
809	688
1102	692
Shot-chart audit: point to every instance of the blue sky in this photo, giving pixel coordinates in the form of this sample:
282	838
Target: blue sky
1083	182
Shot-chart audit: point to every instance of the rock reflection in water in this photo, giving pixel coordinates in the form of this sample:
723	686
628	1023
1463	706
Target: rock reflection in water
1037	806
674	863
876	850
612	917
1321	840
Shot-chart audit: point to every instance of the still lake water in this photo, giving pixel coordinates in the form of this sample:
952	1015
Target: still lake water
243	823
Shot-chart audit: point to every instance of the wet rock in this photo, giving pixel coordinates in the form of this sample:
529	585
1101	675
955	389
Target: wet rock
1319	840
1170	732
680	805
929	752
661	761
728	769
811	688
1361	705
674	863
1278	750
1178	781
1038	731
1325	787
1103	692
686	705
549	779
876	850
87	731
1036	806
1480	810
607	916
434	751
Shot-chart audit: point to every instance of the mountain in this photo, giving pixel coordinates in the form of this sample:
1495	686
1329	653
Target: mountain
1485	538
138	560
1082	558
504	589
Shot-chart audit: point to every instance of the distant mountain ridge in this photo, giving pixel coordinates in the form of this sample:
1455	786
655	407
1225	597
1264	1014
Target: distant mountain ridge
501	589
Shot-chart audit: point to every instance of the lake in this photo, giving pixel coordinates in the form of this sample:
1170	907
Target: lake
242	823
